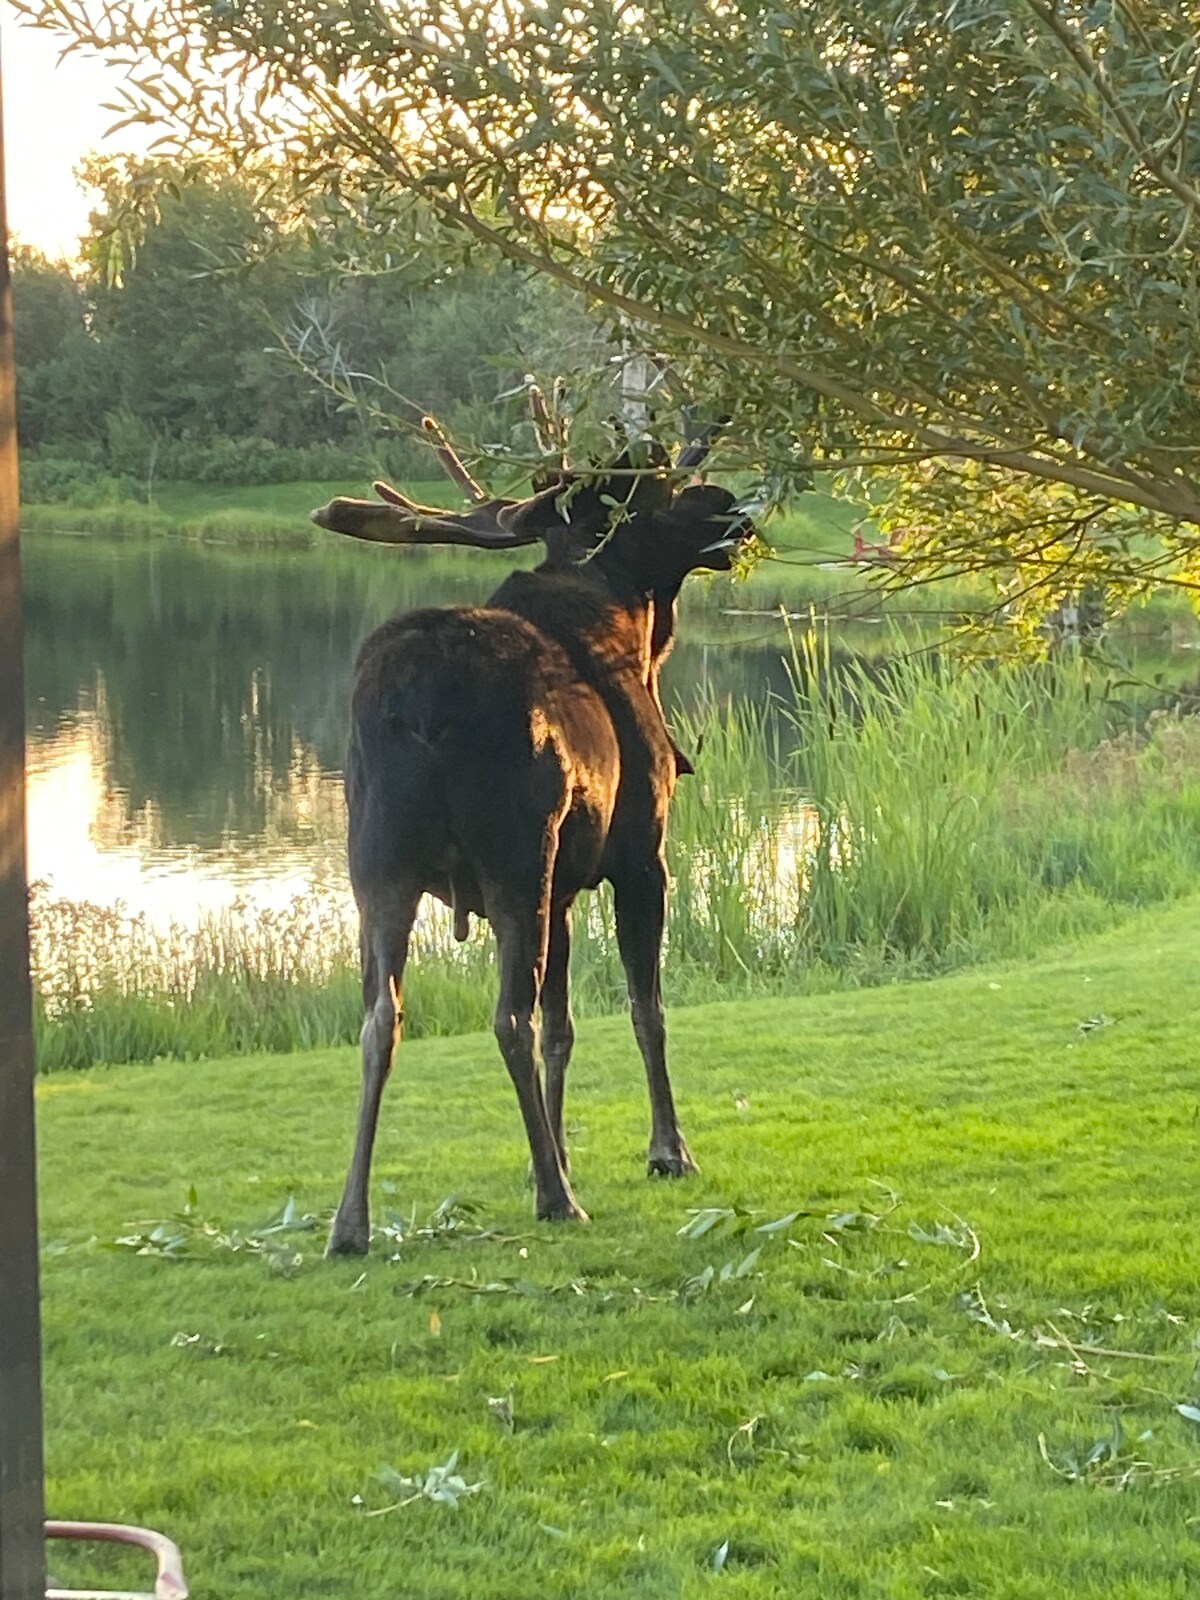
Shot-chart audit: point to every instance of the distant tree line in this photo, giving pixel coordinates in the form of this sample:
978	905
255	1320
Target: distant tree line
941	255
205	336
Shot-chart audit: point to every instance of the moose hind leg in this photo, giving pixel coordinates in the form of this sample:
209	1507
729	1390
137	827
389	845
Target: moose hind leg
385	936
521	933
558	1030
640	902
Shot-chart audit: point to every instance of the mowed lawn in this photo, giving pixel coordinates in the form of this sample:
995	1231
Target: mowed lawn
956	1372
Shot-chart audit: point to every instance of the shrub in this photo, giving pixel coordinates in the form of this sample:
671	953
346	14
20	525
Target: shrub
99	477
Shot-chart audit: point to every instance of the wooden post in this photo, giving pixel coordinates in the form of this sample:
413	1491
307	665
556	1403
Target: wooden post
22	1544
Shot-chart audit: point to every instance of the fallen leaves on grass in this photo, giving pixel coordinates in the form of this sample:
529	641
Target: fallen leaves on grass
199	1344
744	1434
442	1484
500	1409
189	1235
702	1281
730	1221
473	1284
1094	1024
973	1303
1109	1465
453	1221
959	1237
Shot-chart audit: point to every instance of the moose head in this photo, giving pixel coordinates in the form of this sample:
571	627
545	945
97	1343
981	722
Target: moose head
571	511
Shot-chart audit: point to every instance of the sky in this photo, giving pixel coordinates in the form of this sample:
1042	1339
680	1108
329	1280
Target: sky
53	115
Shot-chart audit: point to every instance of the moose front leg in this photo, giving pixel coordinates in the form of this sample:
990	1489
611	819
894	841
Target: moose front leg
640	900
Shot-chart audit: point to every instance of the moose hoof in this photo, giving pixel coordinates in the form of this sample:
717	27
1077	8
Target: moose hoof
671	1164
347	1239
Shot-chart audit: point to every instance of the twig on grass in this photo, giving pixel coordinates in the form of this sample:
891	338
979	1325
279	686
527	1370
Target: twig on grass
1060	1340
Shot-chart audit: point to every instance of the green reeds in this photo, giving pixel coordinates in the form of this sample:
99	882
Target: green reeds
881	822
964	810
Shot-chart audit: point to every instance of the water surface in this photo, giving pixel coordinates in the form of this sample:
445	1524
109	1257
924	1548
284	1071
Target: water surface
188	707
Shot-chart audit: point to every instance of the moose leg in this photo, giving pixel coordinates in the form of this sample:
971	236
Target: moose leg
558	1030
385	936
521	930
640	901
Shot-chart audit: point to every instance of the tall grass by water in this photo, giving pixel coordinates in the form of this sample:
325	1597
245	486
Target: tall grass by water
876	823
964	812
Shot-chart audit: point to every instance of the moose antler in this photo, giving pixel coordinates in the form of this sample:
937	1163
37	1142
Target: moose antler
543	425
450	460
395	519
507	524
696	450
550	429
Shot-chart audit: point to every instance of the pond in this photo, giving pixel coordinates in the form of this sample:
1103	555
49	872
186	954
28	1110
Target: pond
187	704
187	707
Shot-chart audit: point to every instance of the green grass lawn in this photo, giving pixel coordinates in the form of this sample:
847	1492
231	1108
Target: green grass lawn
856	1411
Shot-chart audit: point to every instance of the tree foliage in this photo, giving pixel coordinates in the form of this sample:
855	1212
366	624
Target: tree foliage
55	373
186	341
945	251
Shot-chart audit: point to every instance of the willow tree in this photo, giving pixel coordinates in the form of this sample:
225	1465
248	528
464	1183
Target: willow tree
943	253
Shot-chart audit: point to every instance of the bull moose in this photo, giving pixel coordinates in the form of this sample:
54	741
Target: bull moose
505	757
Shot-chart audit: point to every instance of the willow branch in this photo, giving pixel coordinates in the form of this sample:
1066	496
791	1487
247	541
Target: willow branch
1075	47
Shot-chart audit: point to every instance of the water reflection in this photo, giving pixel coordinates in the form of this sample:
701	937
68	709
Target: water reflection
88	840
187	709
187	706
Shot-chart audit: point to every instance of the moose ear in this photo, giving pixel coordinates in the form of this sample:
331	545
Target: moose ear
638	478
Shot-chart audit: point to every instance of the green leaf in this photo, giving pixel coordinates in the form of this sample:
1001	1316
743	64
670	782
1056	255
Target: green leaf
748	1263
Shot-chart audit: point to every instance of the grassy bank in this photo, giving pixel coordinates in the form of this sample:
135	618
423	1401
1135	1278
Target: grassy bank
251	513
817	531
954	1369
869	828
810	545
820	526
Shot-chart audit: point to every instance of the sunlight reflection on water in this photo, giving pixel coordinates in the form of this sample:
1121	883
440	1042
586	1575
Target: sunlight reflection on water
88	842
